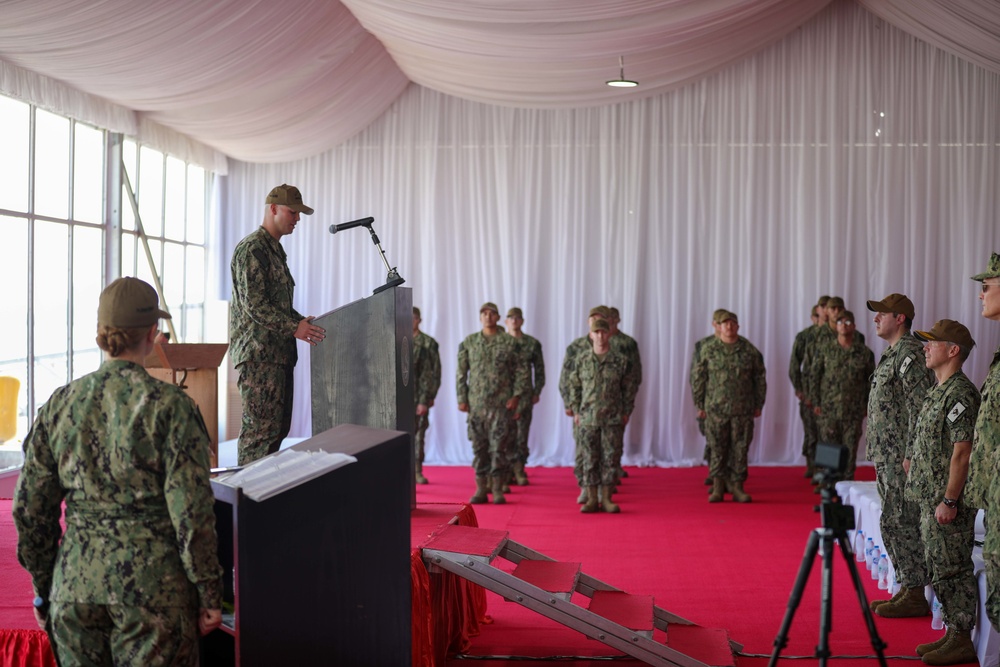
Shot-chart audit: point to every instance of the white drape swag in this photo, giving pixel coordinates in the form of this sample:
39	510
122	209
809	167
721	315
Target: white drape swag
847	159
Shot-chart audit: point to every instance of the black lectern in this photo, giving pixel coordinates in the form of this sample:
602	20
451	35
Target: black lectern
319	573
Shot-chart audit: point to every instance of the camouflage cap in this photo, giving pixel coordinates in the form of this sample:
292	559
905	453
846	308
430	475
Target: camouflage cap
992	269
288	195
515	312
127	303
894	303
489	305
847	316
821	302
721	315
599	311
416	311
835	302
950	331
613	312
599	324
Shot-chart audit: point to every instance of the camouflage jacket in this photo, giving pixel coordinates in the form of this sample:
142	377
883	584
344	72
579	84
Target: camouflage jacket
578	346
799	347
729	380
983	488
490	372
628	346
530	351
426	369
842	380
262	321
899	386
700	343
602	391
947	416
129	455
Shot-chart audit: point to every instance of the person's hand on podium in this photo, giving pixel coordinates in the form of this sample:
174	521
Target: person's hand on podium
208	620
309	332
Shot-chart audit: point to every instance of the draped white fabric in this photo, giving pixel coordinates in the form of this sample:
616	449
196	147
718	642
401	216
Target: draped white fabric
266	81
847	159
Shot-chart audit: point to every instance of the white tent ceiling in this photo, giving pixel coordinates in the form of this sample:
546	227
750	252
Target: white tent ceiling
278	80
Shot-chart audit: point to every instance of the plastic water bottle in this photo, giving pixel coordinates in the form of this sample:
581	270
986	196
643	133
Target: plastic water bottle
859	545
883	573
876	557
894	584
869	545
937	618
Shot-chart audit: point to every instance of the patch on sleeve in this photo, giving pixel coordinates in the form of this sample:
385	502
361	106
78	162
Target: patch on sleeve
956	412
905	366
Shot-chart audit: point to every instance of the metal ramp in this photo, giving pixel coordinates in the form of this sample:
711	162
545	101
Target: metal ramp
621	620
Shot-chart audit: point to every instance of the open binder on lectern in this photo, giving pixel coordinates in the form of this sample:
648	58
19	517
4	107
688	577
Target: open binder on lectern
283	470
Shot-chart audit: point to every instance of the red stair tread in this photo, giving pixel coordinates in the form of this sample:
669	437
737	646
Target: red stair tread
709	645
632	611
467	540
549	575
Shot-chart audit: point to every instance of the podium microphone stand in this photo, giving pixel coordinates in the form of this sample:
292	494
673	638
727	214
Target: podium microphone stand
392	275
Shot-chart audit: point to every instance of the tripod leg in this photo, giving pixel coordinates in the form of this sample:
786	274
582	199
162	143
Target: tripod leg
852	567
826	598
781	641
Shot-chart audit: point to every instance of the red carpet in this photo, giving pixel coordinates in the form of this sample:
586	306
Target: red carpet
727	565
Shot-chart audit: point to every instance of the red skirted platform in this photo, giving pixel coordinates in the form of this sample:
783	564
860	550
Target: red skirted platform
447	610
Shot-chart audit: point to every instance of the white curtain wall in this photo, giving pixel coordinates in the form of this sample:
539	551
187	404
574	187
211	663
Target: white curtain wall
849	159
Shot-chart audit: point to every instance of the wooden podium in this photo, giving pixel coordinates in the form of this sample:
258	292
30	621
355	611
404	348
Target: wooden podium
194	367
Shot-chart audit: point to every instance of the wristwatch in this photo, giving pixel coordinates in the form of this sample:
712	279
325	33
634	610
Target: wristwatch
948	502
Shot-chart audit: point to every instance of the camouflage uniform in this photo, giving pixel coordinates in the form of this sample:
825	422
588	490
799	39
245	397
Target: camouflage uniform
489	374
899	386
602	393
839	386
530	352
579	346
129	455
427	371
983	489
262	324
629	348
948	416
694	361
796	374
729	384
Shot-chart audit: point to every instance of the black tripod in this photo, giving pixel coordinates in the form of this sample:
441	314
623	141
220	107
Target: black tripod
837	520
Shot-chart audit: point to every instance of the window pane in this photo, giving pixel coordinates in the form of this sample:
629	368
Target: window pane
128	254
51	272
150	190
193	317
88	174
173	227
196	205
14	310
14	118
173	277
130	159
195	274
88	269
142	269
51	165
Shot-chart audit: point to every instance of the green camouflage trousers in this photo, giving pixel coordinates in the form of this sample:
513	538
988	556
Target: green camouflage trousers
599	446
948	550
900	526
846	432
94	634
991	554
728	441
811	431
266	390
420	423
522	428
492	435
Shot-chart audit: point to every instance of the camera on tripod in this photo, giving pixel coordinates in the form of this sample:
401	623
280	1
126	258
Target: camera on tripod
831	463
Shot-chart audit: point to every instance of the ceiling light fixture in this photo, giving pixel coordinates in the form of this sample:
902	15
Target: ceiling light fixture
621	81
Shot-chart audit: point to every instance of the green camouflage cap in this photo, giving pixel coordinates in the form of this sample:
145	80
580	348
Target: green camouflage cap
950	331
489	305
515	312
992	269
128	303
599	324
835	302
288	195
416	311
599	311
721	315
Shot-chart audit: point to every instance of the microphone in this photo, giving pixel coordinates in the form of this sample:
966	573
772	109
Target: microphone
363	222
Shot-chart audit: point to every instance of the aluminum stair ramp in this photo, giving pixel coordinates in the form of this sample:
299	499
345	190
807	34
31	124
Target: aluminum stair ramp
621	620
